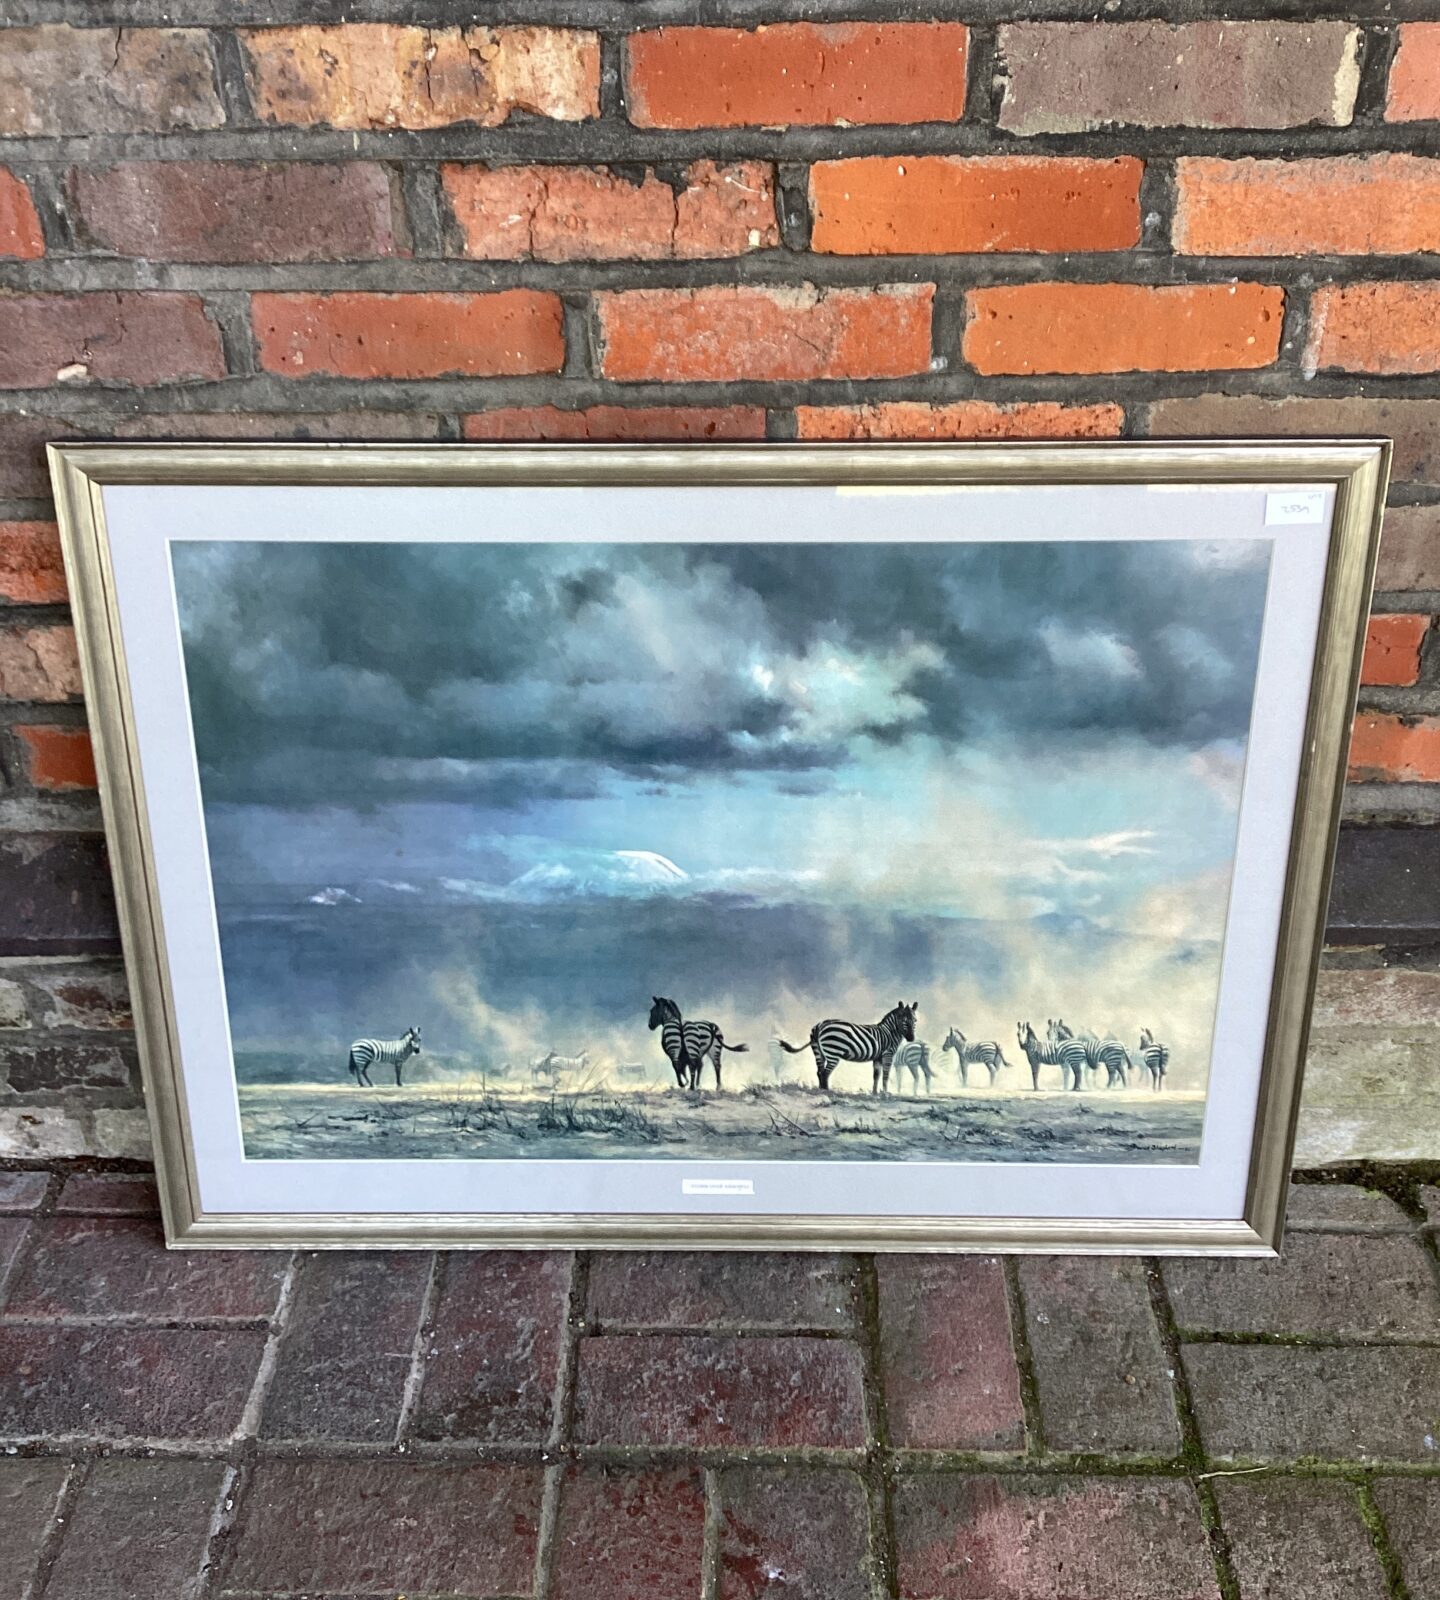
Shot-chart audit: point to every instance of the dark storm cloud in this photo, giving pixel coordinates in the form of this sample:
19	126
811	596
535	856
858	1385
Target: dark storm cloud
352	674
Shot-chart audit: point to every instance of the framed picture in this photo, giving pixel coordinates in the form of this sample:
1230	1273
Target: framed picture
887	846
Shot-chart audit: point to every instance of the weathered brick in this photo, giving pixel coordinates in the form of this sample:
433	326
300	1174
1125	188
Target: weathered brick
29	1496
618	422
961	419
948	1365
37	1133
731	333
796	72
682	1290
1413	1523
1343	1206
116	1194
125	1383
629	1535
662	1389
92	996
55	894
13	1233
1343	206
1392	648
1413	93
57	758
32	570
1414	425
239	210
806	1533
494	1355
384	75
1028	1537
1342	1285
125	337
1122	327
409	335
596	213
1430	1203
347	1347
1299	1540
1275	1402
14	1011
137	1528
917	205
108	1266
1389	749
40	664
20	236
1100	1367
22	1191
334	1527
1409	549
44	1063
1384	328
62	80
1069	77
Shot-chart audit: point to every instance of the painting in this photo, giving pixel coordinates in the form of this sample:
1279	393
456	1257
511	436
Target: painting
914	840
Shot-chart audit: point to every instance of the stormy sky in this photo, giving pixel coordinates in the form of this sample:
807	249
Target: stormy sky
994	729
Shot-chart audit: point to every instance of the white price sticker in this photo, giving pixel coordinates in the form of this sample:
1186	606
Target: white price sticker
1293	507
721	1186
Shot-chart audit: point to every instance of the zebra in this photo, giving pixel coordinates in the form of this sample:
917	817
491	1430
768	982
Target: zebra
1108	1053
1067	1054
550	1067
914	1059
1156	1058
968	1053
834	1041
688	1043
364	1053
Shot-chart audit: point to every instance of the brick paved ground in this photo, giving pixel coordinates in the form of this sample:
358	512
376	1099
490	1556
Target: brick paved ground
818	1427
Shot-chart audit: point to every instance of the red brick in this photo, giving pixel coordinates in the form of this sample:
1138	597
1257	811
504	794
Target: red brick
22	1191
1409	549
122	337
618	422
346	1353
58	80
105	1266
1413	1523
87	997
29	1498
494	1354
39	664
1100	1368
1385	328
116	1194
20	236
1388	749
677	1289
1392	648
806	1533
388	1527
728	333
385	75
1299	1540
1414	89
949	1370
595	213
699	1392
629	1535
137	1528
239	210
125	1383
1122	327
1070	77
796	72
32	570
899	205
57	758
1347	205
409	335
1028	1537
961	419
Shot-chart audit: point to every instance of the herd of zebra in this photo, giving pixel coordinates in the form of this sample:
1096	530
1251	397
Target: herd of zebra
885	1045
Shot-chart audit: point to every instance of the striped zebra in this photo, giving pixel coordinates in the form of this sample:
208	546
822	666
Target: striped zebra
687	1044
1067	1054
834	1041
1107	1052
914	1059
365	1053
974	1052
1156	1058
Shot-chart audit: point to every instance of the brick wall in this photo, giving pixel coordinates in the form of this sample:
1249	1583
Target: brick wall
593	219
